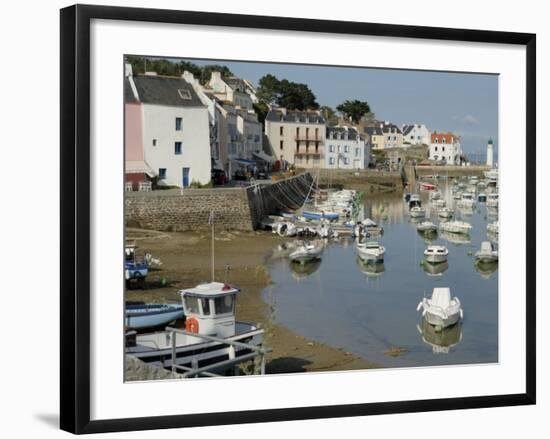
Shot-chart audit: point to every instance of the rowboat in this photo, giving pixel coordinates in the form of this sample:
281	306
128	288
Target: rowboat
150	315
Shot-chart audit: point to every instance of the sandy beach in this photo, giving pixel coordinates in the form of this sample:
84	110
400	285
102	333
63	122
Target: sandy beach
185	261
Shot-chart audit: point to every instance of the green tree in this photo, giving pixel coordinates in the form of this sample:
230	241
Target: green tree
268	87
285	93
261	109
354	110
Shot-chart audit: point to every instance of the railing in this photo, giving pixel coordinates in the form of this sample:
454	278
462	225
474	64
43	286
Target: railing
304	138
195	370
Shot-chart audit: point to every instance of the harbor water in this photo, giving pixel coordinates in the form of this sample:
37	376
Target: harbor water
370	310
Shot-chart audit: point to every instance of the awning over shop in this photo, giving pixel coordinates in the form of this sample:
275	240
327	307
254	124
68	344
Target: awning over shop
139	167
244	162
263	156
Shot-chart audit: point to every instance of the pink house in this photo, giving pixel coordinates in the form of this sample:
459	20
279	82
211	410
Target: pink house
136	169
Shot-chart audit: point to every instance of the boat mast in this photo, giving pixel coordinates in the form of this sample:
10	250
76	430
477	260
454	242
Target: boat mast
211	220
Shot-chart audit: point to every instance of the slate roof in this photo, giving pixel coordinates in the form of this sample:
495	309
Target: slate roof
352	133
373	131
163	90
128	93
407	129
295	116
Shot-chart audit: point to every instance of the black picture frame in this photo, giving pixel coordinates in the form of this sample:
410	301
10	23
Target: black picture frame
75	217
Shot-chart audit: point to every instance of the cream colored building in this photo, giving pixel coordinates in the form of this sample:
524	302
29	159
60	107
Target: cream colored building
297	137
384	135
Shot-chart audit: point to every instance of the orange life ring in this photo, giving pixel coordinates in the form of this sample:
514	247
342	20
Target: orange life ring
192	325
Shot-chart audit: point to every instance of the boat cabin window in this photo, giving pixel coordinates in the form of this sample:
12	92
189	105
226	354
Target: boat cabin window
224	305
192	305
205	304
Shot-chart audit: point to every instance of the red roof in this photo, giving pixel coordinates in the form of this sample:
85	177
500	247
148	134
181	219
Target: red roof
450	138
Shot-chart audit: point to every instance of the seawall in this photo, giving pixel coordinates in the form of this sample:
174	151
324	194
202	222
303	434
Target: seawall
240	208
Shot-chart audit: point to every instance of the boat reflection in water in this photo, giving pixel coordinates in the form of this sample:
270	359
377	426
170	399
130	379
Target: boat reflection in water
443	340
486	269
370	269
436	269
455	238
302	271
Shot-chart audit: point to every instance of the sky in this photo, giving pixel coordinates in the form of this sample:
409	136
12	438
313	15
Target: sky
463	103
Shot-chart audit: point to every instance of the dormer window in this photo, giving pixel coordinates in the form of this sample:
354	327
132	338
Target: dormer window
184	94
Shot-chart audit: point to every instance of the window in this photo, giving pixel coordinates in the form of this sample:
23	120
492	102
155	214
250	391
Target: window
394	137
280	131
346	148
224	305
346	161
178	123
192	304
281	144
184	94
331	160
357	152
162	173
331	148
435	148
154	142
435	140
443	148
443	140
177	148
205	304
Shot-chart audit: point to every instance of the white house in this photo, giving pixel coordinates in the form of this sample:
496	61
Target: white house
445	147
175	129
346	149
232	89
415	134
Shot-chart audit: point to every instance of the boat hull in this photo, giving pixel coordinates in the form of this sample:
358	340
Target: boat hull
436	259
152	316
440	321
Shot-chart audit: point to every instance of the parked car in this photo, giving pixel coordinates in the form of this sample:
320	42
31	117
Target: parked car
219	178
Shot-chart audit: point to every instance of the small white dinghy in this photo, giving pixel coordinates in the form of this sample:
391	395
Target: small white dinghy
456	227
306	252
371	252
440	310
445	212
436	254
426	226
492	228
417	212
487	253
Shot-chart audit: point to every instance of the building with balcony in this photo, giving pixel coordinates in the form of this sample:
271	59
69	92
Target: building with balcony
297	137
345	148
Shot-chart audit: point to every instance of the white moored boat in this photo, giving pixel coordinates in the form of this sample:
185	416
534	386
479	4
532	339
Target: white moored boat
492	228
492	200
306	252
456	227
371	252
487	253
467	201
445	212
441	310
417	212
436	253
426	226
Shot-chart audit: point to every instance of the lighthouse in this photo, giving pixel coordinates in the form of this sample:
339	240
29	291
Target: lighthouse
490	153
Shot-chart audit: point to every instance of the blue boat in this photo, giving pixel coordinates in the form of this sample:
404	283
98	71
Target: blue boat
320	215
149	315
134	268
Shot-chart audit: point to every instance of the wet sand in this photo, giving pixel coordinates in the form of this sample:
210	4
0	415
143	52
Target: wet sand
185	261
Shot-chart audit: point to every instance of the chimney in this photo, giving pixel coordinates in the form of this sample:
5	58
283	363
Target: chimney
217	76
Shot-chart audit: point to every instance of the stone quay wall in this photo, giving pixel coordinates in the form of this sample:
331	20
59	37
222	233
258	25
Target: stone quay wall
240	208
